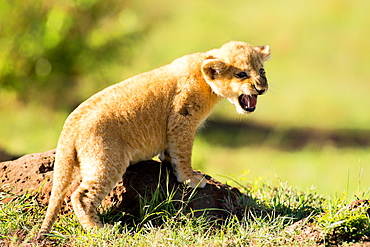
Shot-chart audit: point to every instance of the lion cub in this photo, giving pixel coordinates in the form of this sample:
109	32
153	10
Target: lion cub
154	112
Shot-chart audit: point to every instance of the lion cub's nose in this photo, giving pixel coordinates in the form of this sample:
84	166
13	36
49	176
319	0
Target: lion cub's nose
260	91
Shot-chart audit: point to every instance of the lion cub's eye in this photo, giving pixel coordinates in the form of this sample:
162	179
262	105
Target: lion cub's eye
262	72
242	75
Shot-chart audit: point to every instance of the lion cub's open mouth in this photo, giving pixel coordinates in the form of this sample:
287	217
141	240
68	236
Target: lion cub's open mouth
248	102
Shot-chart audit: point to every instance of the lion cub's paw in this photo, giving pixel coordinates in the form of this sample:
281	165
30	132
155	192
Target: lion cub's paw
196	181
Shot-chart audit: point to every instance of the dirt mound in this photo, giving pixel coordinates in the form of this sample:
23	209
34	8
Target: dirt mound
34	173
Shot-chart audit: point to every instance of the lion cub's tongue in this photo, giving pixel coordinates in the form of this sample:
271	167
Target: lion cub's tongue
252	100
248	102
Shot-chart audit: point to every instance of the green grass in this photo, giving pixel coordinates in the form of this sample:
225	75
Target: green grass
27	128
266	222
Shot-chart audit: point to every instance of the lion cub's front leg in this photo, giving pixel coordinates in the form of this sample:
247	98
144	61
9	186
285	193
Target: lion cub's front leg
184	173
179	149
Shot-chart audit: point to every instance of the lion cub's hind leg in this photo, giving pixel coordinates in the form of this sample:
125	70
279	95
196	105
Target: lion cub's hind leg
97	181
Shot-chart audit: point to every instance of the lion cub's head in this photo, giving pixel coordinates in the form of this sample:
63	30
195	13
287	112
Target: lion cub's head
235	71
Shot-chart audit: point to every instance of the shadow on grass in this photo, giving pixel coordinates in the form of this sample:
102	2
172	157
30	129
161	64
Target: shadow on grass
234	134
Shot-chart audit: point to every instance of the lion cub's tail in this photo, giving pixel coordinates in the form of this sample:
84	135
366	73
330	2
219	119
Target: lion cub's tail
65	161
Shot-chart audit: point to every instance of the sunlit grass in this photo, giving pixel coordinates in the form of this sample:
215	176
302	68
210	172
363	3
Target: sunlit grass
329	170
271	210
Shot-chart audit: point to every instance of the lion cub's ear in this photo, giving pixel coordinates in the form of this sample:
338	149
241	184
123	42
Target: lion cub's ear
213	67
264	51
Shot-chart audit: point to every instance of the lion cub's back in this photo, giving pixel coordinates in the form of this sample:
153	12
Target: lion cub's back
134	112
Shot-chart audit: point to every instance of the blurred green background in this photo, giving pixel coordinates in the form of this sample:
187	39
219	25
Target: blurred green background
311	129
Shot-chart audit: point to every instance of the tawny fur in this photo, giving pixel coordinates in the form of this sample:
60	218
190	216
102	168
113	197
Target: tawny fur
154	112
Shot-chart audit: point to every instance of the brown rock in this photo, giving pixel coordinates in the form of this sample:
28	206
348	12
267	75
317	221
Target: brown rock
34	172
